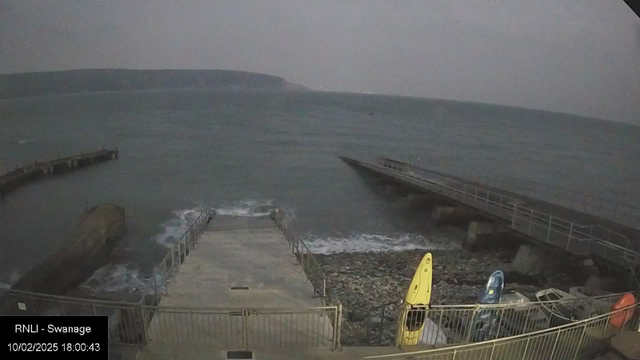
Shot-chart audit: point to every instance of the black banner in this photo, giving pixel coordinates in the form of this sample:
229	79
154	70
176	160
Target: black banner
46	337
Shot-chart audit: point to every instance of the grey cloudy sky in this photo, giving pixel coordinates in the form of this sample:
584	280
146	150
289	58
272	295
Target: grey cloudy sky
575	56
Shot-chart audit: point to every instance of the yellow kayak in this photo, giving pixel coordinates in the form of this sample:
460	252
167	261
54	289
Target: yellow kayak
411	320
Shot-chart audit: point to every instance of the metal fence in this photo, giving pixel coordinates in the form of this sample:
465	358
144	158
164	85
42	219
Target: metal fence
168	266
610	209
605	208
137	324
576	238
312	269
455	324
307	260
576	340
159	327
257	328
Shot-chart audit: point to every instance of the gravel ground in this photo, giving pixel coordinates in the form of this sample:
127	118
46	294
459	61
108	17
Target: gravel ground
363	281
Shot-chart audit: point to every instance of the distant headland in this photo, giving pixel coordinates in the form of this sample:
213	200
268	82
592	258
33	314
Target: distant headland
91	80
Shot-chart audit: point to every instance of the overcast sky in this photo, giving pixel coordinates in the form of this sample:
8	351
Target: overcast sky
575	56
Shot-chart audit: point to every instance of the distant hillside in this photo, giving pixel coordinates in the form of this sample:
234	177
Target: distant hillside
77	81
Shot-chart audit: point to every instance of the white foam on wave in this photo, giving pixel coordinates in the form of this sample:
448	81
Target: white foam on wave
175	227
126	278
246	208
373	243
121	278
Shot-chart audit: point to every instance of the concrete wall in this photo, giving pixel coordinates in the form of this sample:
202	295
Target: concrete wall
87	249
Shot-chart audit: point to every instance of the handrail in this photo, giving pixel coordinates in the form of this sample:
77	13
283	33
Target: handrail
311	268
179	251
487	191
74	300
513	210
556	329
578	200
295	242
514	315
493	178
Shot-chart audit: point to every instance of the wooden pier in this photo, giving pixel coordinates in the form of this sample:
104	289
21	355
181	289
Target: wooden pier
22	175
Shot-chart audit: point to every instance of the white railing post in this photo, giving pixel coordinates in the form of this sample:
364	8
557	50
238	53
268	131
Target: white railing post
570	234
555	345
473	317
606	250
526	347
549	228
486	204
493	349
179	252
245	335
338	324
584	330
475	194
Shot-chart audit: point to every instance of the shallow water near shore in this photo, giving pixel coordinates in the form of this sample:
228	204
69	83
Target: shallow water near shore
243	153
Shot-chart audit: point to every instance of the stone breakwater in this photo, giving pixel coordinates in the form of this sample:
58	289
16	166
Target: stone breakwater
363	281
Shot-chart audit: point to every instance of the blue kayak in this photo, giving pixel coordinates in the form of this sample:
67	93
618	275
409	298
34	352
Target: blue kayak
485	319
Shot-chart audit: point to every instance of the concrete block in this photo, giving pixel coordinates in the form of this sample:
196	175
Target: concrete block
441	213
588	262
531	260
481	234
477	229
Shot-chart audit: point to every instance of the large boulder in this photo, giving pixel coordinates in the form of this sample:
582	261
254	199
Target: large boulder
87	249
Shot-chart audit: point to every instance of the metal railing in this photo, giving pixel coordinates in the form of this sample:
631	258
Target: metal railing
455	324
168	266
312	269
308	262
609	209
245	328
575	340
137	324
594	205
223	328
576	238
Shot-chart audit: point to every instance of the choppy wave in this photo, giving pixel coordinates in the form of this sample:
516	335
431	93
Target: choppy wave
25	141
246	208
121	278
375	243
175	227
14	276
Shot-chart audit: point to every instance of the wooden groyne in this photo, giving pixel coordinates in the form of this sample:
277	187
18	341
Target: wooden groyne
20	176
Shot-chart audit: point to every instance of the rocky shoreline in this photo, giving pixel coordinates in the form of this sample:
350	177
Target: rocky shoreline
364	281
